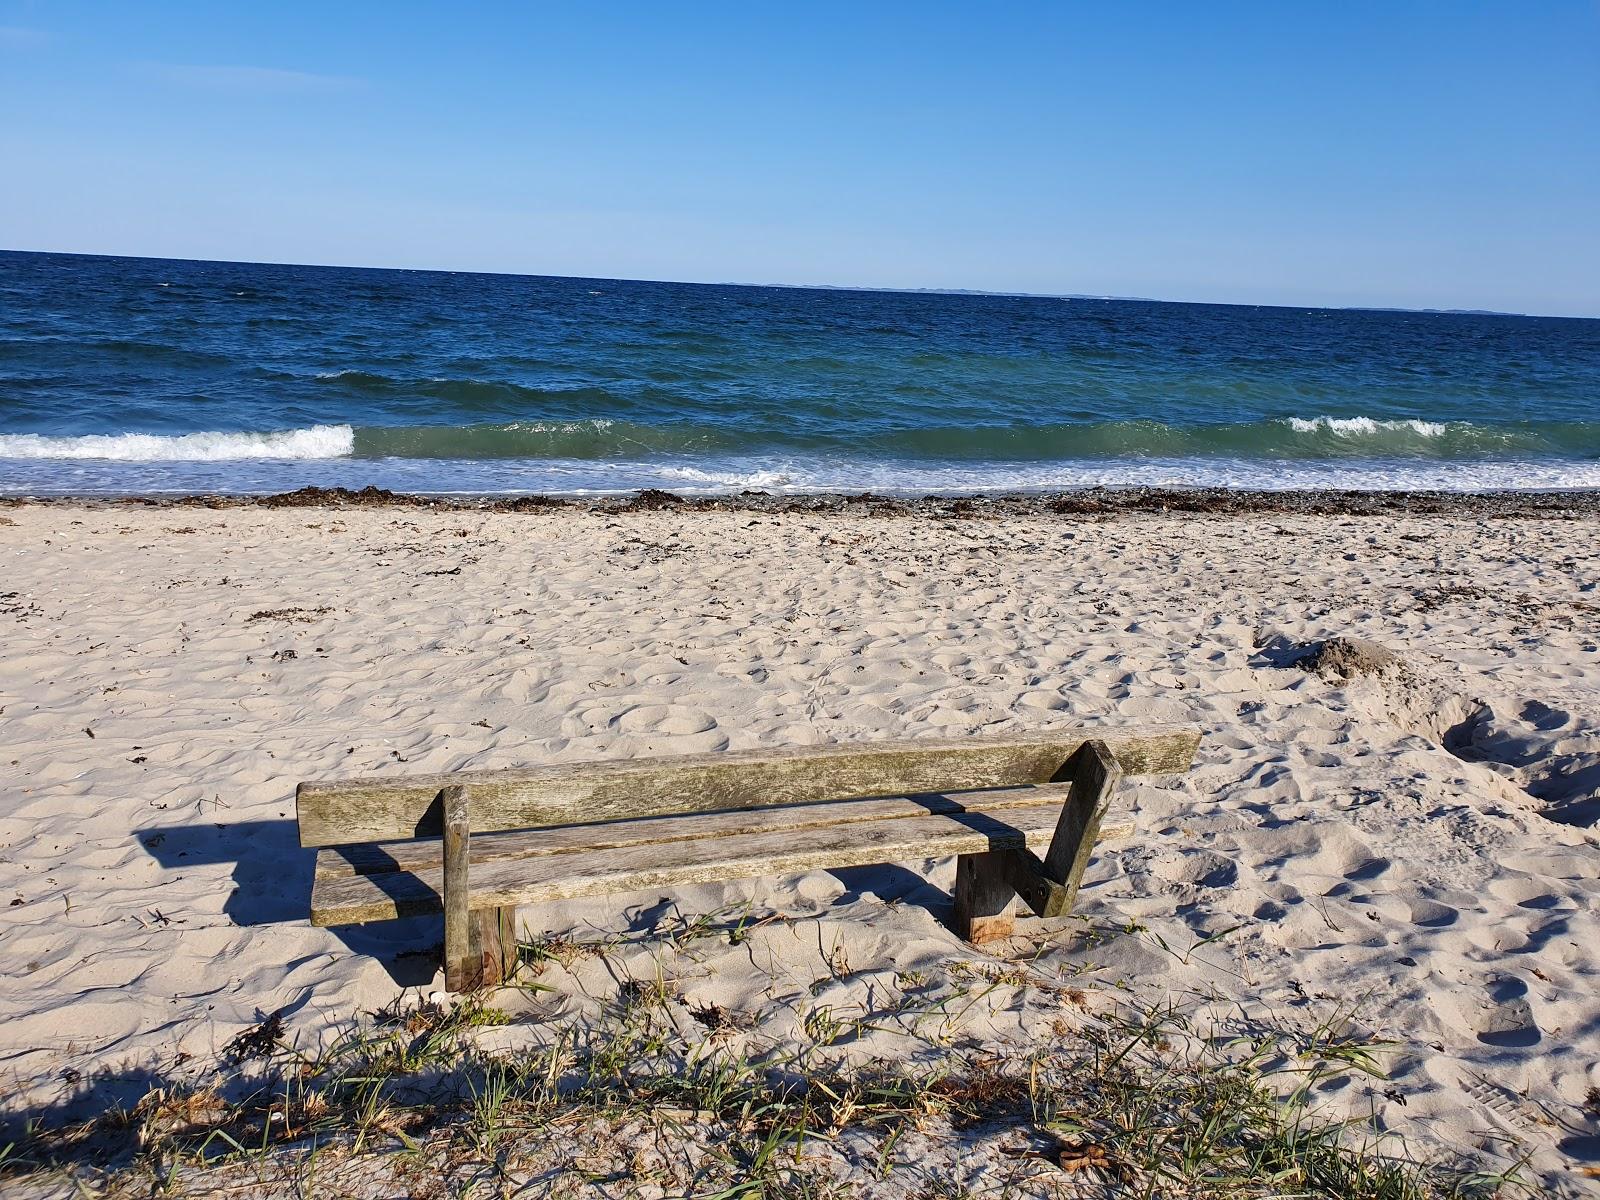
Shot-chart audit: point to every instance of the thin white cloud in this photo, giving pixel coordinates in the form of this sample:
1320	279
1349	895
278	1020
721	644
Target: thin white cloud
15	37
251	79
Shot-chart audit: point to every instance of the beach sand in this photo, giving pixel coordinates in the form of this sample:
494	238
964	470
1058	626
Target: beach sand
1415	845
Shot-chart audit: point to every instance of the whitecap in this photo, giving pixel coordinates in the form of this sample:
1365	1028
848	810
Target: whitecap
319	441
1352	426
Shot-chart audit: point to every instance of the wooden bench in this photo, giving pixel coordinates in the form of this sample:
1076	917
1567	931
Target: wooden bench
476	844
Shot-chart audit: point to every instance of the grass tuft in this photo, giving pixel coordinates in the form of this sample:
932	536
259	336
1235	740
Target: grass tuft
1144	1102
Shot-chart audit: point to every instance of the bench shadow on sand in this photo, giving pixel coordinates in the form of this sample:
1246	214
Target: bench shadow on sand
272	877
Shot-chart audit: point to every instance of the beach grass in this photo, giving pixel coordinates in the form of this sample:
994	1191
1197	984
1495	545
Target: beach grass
1131	1101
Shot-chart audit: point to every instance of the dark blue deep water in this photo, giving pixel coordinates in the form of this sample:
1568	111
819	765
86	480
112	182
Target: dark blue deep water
142	375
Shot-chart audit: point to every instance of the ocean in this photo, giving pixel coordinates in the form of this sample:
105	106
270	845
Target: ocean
148	376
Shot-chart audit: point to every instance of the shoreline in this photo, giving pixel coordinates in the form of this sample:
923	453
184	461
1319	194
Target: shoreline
1093	502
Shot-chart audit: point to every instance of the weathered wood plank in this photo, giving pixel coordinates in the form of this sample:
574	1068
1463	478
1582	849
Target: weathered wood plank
352	899
1025	873
494	949
420	854
335	862
1095	775
463	968
382	808
985	908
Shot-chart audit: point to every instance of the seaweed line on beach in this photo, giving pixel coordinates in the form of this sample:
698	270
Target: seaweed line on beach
1087	502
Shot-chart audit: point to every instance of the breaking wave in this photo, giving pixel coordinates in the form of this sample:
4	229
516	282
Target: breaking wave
689	444
320	441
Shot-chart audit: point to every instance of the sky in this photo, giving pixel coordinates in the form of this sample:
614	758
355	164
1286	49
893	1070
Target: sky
1428	153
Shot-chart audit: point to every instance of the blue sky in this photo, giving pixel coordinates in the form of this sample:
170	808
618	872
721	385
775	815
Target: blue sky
1423	154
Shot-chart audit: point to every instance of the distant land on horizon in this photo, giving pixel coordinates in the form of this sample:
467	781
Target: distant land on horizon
828	287
1459	312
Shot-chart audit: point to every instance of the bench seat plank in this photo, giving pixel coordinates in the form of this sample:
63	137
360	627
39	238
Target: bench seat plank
419	854
380	808
534	866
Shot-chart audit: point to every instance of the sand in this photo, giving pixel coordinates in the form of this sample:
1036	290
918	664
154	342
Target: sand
1412	838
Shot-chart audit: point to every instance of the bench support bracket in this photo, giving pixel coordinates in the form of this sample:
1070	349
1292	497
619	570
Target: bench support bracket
480	947
1095	775
1049	886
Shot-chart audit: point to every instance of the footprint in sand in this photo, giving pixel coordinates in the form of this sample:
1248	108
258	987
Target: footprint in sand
1543	717
1044	701
1367	869
646	720
663	719
1525	891
1499	1016
1510	1015
1201	868
1432	915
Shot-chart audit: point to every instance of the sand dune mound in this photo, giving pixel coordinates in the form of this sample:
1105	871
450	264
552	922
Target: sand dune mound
1347	657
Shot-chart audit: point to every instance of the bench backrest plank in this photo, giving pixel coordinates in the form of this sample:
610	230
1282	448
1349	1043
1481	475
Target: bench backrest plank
379	808
340	899
421	854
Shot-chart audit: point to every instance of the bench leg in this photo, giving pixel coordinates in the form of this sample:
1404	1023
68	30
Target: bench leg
491	957
494	938
984	911
480	947
460	965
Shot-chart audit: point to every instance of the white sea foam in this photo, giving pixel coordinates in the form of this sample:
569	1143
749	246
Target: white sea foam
948	478
722	476
778	477
319	441
1351	426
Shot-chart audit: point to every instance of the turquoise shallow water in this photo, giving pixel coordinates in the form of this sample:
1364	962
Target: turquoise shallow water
140	375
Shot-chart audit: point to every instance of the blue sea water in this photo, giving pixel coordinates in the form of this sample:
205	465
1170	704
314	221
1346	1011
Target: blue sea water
151	376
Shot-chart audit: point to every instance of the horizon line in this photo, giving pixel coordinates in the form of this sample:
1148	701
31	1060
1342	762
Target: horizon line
826	287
